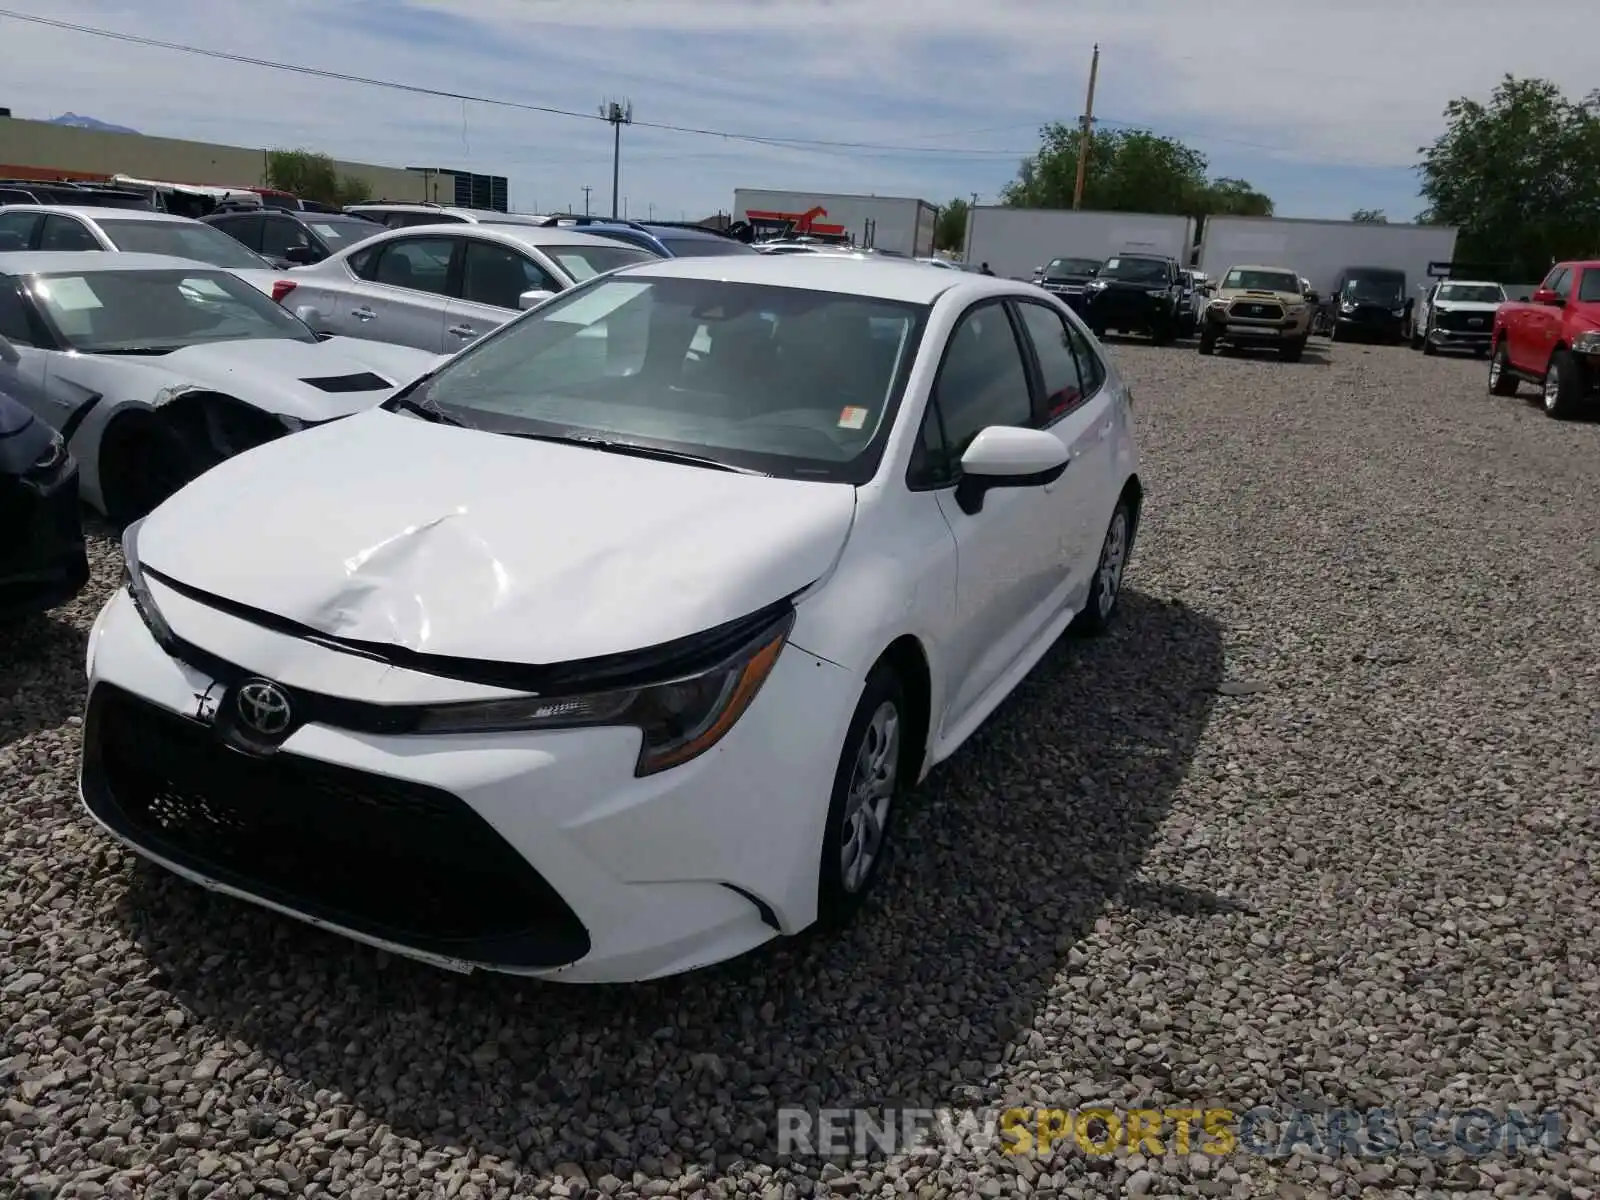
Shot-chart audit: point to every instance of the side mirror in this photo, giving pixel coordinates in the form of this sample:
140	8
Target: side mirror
8	353
1548	296
302	256
1005	456
532	299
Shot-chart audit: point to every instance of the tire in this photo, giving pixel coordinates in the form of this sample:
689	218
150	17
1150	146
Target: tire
1106	589
1099	332
1428	347
142	462
1501	381
875	770
1333	334
1563	390
1208	341
1291	351
1417	342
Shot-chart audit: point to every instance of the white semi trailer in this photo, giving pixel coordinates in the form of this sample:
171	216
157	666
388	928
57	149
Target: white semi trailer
897	224
1017	241
1320	250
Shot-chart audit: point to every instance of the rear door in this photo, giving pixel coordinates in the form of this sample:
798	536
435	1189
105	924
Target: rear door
493	277
401	294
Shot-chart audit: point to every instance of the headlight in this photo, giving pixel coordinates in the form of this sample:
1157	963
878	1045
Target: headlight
1587	343
1220	304
1347	305
1095	285
679	719
139	591
1397	312
47	468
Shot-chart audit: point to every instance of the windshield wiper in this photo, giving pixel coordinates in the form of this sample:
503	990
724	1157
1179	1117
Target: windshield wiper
400	402
635	450
144	350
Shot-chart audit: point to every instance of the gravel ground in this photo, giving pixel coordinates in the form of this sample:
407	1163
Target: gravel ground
1358	873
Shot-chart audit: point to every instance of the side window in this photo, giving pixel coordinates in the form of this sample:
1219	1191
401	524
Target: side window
1589	286
497	275
1064	385
1553	280
13	316
17	230
63	233
983	380
278	234
1563	284
364	262
246	230
420	264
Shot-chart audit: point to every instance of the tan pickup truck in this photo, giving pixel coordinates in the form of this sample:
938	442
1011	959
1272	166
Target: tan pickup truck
1257	306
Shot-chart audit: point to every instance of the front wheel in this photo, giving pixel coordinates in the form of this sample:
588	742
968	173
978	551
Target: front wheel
1563	386
872	775
1106	589
1208	341
1291	351
142	463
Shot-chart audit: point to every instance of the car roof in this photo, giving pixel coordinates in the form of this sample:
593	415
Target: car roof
525	235
490	216
1473	283
680	231
876	278
98	213
37	262
1260	267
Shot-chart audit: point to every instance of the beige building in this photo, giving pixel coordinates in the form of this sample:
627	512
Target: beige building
41	150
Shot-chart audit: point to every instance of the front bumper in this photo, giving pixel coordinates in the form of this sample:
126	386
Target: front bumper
1457	339
531	853
42	558
1072	293
1372	323
1247	331
1129	313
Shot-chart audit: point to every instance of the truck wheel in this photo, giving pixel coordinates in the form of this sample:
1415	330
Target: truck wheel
1161	333
1563	386
1333	333
1428	347
1417	341
1291	351
1208	341
1501	381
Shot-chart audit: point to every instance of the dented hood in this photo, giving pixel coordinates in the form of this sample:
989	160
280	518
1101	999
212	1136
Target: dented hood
388	529
270	373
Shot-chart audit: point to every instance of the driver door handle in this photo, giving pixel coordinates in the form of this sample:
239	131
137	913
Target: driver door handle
363	313
463	331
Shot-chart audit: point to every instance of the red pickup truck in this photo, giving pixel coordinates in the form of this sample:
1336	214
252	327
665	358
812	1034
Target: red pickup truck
1552	340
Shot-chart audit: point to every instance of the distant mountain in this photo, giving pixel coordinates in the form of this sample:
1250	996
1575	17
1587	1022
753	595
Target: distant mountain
78	122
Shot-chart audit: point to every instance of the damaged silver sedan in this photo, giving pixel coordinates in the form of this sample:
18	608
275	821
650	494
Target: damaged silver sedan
154	369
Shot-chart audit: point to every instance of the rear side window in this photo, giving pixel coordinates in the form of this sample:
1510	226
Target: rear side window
17	230
1589	286
63	233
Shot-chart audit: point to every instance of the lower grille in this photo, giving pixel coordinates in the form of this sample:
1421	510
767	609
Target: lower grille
1251	310
393	859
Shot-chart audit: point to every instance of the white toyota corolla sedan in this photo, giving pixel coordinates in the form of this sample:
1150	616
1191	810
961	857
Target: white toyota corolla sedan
605	651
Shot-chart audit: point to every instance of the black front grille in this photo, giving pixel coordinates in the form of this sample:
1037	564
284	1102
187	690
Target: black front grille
1254	310
402	861
1463	322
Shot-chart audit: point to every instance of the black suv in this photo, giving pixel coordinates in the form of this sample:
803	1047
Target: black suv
1067	278
294	239
1136	293
1369	302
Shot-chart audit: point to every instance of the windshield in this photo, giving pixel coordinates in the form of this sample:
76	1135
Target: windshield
1135	270
706	247
340	232
786	381
159	310
181	239
1059	267
1473	293
585	262
1248	280
1369	290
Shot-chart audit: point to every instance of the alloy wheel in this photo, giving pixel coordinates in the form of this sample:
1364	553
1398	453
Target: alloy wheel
872	786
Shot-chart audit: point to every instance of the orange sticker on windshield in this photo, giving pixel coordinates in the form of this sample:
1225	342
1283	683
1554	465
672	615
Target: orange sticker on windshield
852	418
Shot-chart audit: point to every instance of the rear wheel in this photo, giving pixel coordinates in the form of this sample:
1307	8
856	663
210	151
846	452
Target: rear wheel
1501	381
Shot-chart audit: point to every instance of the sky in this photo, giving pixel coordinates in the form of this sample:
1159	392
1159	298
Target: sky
1323	107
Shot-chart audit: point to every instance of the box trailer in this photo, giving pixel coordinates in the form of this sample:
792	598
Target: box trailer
1017	241
895	224
1319	250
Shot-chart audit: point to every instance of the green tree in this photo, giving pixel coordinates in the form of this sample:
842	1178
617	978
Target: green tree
1518	176
313	176
951	231
1129	171
1369	216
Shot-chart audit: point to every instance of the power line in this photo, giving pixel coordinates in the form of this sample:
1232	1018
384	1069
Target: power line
495	101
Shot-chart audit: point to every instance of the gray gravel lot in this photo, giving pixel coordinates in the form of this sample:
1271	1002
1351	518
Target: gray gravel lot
1362	875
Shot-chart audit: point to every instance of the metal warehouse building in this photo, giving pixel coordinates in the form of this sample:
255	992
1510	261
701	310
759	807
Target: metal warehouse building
45	150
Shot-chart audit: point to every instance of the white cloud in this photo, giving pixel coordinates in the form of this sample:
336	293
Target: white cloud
1359	83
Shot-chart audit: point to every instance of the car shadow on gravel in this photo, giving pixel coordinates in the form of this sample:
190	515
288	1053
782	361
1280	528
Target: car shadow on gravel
35	654
1004	859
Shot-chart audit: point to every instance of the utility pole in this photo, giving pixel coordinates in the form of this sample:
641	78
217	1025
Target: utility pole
652	210
617	115
586	190
1086	134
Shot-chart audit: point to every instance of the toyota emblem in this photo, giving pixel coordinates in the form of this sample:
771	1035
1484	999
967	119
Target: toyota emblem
264	708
